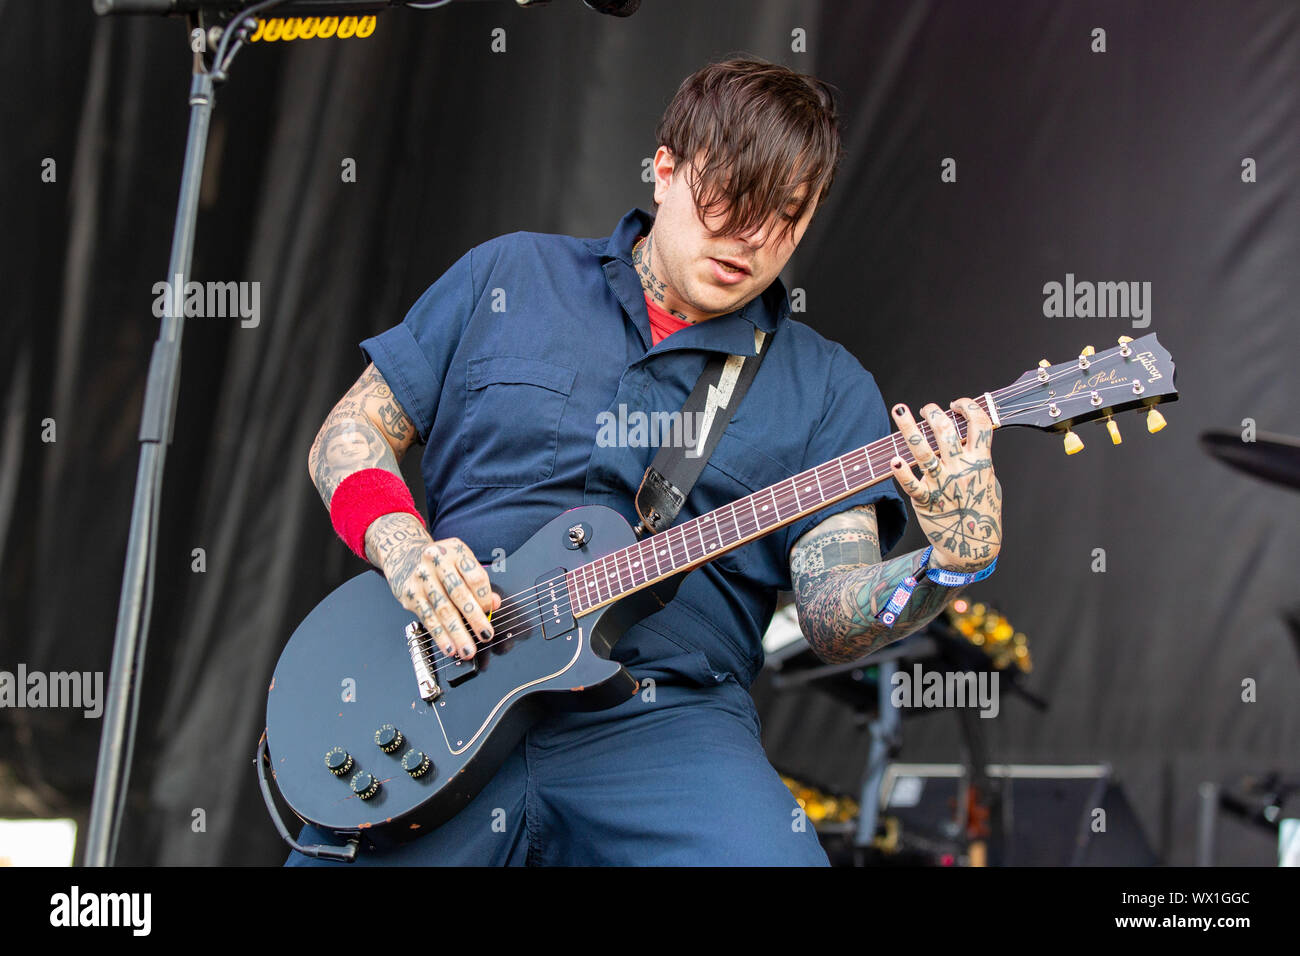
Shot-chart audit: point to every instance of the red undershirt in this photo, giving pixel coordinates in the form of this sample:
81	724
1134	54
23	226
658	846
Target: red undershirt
662	323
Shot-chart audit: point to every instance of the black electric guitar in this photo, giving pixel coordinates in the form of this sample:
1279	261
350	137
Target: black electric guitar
371	730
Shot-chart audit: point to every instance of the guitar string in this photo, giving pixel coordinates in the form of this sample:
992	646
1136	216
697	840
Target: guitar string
522	618
522	601
955	417
520	609
1014	410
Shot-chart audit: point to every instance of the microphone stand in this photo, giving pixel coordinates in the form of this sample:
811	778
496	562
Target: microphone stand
161	387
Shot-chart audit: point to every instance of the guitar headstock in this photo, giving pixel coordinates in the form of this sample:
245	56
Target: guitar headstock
1137	373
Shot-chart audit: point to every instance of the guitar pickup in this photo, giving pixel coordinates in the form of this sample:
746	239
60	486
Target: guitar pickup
553	604
458	671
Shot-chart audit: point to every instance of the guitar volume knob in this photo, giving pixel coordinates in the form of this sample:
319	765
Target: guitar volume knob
389	738
415	763
365	785
339	761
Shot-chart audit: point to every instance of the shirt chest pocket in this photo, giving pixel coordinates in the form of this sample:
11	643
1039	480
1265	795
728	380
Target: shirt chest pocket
513	407
735	470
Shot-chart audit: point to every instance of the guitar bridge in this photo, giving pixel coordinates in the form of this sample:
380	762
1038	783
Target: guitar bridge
418	646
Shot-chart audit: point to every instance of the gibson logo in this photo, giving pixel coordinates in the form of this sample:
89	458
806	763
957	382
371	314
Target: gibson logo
1099	379
1148	361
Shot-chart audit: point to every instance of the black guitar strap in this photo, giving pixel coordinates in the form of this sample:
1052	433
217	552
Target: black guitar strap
711	406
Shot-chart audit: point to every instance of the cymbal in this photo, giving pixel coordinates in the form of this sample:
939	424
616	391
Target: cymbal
1273	457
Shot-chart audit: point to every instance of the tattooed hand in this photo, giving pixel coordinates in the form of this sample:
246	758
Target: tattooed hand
439	581
956	498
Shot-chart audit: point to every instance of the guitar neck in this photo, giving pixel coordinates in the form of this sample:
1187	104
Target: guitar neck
714	533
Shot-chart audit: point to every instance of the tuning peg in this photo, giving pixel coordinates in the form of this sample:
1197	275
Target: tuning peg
1155	421
1043	363
1124	338
1073	443
1124	350
1088	350
1114	431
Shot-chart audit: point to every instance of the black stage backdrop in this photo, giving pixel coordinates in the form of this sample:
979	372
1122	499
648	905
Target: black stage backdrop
1122	165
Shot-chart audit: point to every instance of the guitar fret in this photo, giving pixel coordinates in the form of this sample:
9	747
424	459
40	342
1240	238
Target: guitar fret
611	575
794	486
754	508
732	508
654	552
615	584
634	565
776	507
633	562
616	556
819	484
571	583
867	455
638	563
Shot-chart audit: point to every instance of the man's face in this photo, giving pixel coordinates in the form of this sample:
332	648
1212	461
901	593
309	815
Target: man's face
685	255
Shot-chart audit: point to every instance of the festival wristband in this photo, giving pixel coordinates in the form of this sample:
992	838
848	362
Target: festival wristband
362	497
952	579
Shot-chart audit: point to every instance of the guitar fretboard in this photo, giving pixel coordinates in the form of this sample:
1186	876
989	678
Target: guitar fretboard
705	537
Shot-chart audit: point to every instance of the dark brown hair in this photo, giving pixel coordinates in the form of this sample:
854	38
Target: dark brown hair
763	131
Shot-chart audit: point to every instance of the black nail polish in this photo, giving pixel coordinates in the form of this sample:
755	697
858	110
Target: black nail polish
485	635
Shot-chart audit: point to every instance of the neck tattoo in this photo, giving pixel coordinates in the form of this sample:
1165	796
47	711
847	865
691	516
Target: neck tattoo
652	284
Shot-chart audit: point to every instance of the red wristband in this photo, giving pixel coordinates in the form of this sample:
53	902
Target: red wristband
362	497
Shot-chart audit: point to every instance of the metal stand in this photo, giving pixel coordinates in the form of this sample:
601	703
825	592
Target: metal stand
885	739
117	741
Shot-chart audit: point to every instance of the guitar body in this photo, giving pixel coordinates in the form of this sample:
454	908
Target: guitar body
347	672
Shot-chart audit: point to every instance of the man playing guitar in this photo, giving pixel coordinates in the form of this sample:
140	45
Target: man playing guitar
501	370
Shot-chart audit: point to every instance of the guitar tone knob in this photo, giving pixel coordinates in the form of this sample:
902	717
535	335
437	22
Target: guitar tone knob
365	785
389	738
339	761
415	763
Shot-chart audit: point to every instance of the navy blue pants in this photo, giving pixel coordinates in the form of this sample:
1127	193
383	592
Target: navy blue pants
679	780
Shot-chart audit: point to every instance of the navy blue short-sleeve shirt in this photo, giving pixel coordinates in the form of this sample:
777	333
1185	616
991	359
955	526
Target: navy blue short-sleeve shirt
511	362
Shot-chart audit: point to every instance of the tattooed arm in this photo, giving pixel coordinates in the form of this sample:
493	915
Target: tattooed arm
367	428
440	581
841	583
